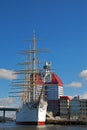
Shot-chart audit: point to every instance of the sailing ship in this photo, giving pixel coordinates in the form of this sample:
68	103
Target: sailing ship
32	85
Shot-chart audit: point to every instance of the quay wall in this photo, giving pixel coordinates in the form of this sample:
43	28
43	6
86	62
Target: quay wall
65	122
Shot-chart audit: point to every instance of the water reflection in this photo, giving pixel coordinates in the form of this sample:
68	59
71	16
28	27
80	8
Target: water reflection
13	126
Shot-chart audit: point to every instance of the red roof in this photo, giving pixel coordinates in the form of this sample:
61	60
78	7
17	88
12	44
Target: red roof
65	97
56	80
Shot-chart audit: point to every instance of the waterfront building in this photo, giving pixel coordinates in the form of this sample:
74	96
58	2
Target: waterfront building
83	109
74	108
78	108
64	106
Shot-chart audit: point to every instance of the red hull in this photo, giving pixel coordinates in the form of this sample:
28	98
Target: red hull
31	123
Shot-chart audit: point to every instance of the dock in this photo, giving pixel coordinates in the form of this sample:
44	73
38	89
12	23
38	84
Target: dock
65	122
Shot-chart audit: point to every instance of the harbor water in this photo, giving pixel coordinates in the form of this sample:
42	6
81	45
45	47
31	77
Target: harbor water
13	126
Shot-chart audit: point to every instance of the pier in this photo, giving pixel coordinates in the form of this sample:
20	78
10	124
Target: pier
66	122
4	109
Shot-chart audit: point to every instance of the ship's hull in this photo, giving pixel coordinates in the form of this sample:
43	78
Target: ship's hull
32	114
31	123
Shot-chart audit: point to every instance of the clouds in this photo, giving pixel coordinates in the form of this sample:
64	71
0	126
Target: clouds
83	96
6	101
76	84
83	74
7	74
10	102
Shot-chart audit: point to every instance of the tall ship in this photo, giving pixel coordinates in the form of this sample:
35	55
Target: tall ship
31	87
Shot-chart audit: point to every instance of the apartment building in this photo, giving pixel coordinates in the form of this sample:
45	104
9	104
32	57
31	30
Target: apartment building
74	108
64	106
83	109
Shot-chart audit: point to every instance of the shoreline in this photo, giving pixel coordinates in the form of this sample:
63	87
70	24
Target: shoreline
65	122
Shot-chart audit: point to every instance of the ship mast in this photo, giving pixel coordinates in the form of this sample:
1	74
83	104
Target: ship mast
26	85
34	67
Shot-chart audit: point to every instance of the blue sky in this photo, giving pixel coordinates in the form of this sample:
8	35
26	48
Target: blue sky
62	27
